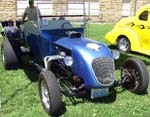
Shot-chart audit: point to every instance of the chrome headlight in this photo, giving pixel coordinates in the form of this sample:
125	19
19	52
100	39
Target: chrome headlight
63	54
68	60
116	54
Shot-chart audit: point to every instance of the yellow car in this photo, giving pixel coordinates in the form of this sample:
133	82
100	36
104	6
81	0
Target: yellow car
132	33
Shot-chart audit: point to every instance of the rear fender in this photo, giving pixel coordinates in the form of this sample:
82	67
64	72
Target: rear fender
123	31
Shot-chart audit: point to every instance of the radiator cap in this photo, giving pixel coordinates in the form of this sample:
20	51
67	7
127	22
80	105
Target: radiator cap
93	46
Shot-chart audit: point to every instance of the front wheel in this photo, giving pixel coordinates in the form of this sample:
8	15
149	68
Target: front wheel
123	44
135	75
49	92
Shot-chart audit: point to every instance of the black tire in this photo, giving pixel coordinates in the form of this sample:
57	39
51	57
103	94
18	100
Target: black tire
123	44
11	54
137	75
47	81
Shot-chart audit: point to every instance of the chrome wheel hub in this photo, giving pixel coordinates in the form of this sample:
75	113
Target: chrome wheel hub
3	57
123	44
45	95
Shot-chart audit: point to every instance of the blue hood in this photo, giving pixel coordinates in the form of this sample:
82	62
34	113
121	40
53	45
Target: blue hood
83	57
80	45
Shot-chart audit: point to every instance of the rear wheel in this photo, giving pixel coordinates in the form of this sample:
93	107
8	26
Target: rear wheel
123	44
49	92
11	54
135	75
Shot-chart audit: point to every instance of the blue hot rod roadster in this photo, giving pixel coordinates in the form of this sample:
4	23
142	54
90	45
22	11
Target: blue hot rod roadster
69	63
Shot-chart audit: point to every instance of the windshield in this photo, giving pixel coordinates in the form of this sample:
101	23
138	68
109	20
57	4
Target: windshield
61	16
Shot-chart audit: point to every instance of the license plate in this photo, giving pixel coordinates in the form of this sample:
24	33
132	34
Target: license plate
96	93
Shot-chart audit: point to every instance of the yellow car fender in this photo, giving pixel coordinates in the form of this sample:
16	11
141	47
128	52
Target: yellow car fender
113	35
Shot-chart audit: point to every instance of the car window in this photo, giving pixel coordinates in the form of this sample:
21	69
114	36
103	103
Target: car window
144	16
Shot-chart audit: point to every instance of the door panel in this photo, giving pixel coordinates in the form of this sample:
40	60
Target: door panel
142	29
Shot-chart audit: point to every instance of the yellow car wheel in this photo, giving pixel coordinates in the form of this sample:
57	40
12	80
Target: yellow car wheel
123	44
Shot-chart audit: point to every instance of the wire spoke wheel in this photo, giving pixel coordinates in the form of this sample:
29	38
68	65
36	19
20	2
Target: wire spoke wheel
132	79
135	75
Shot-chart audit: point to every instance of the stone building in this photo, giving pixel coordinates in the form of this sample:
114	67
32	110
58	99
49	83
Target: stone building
7	9
114	10
98	10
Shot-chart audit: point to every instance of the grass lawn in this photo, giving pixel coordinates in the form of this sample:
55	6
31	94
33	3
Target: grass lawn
19	92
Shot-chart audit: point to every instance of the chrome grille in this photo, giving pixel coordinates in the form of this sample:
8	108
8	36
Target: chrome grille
104	70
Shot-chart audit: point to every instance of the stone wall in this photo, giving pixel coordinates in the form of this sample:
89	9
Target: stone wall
59	6
7	9
110	10
135	6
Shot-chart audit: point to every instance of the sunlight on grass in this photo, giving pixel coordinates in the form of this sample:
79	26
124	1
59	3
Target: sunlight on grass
19	92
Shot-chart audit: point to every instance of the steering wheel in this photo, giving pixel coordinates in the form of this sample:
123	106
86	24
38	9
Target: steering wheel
66	25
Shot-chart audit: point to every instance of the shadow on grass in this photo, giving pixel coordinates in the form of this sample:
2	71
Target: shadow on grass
86	98
12	96
102	100
30	70
31	74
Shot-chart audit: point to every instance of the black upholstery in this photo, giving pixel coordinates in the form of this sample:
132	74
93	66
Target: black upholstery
5	23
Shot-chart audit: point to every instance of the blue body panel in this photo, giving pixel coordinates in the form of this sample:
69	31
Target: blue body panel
35	48
43	44
83	57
